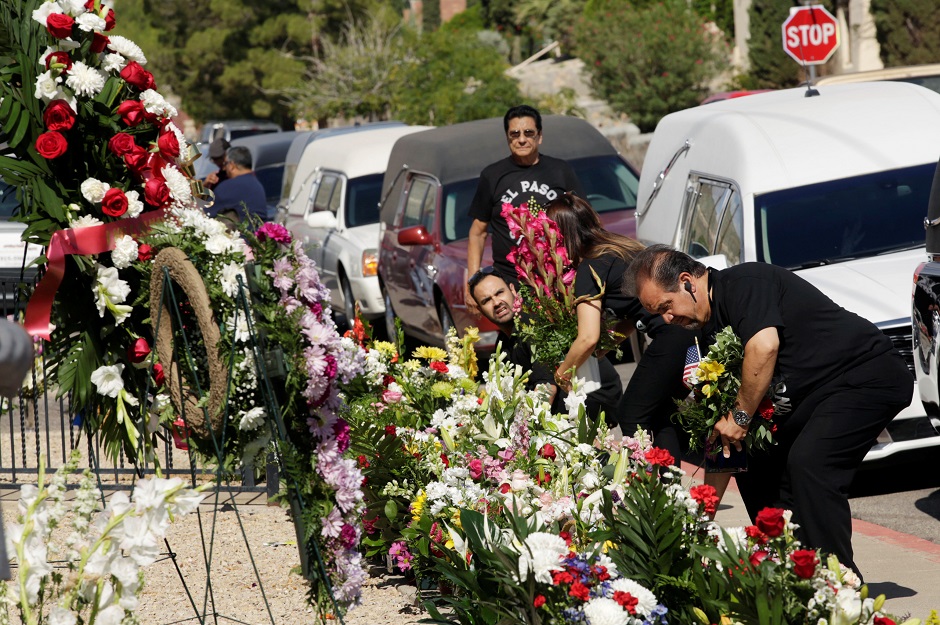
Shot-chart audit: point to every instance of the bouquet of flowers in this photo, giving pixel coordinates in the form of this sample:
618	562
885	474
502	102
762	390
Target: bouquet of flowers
715	383
549	321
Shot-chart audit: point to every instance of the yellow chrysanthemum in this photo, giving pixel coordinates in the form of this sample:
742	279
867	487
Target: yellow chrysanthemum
710	370
417	506
385	348
442	389
430	353
411	365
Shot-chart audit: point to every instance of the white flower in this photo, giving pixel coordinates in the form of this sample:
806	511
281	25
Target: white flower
177	183
125	252
134	206
228	278
238	323
90	22
113	62
85	221
73	7
62	616
252	419
604	611
127	48
155	103
93	190
218	243
847	608
646	600
47	86
541	553
108	380
110	290
85	80
185	501
44	11
112	615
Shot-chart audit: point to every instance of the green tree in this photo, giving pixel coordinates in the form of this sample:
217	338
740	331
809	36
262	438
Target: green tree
430	15
452	78
769	66
550	20
907	30
721	12
650	61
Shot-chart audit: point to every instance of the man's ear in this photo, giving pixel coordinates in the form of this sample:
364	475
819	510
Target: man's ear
512	289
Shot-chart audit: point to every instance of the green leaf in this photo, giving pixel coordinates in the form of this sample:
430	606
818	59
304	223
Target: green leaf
391	510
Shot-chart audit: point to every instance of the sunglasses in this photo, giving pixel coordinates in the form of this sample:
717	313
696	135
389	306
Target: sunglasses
528	132
479	275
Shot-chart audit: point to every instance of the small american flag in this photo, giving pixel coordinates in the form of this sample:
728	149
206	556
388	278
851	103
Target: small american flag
692	359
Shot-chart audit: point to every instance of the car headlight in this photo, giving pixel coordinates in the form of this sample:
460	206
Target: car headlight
370	263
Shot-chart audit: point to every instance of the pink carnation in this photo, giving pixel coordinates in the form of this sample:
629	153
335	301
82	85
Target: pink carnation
275	232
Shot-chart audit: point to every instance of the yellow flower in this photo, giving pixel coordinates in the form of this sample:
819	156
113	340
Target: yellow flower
430	353
385	348
455	519
411	365
710	370
417	506
709	389
442	389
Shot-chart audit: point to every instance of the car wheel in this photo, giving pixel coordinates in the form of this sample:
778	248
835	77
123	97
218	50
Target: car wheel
447	322
349	301
391	332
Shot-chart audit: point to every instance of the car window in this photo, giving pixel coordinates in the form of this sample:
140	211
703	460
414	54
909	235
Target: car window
324	192
362	200
429	208
270	179
843	219
706	200
248	132
608	184
456	209
415	202
731	231
337	195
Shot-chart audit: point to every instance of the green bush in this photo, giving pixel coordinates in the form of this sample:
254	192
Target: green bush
907	30
648	61
769	66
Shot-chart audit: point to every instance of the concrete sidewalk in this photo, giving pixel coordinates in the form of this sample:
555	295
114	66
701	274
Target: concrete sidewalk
904	568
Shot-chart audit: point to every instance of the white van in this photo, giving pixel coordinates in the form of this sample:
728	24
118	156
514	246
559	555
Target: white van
333	208
833	186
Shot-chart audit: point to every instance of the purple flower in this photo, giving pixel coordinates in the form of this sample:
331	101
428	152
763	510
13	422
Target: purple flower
341	431
275	232
348	536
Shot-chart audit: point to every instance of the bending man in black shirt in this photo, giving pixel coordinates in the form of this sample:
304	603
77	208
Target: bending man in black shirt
835	379
524	176
496	297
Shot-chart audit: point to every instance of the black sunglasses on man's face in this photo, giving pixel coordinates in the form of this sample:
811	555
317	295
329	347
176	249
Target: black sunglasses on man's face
479	275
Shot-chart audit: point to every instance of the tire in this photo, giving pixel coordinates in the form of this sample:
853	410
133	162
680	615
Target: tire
349	301
447	322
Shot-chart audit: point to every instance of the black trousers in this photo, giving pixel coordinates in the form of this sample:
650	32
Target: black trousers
820	447
649	400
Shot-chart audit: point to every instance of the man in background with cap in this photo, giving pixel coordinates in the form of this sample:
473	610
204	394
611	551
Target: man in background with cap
217	150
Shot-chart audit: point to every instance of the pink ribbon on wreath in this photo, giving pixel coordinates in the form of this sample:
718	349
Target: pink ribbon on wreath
84	242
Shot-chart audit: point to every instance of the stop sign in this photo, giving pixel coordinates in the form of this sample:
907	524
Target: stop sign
810	34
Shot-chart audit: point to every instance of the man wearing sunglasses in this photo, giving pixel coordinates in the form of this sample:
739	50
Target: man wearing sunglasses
524	176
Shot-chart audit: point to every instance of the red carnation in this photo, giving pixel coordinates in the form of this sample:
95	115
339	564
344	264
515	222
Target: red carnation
804	563
661	457
144	252
114	203
156	193
132	112
505	487
391	431
539	601
59	58
753	532
168	144
626	601
60	25
134	74
547	451
445	460
158	375
121	144
363	461
98	43
58	116
770	521
580	591
707	496
138	351
439	366
51	144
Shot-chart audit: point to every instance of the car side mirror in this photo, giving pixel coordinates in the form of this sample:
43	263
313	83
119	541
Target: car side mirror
415	235
718	261
321	219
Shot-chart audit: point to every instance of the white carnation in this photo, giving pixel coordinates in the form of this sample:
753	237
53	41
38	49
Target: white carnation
93	190
604	611
127	48
47	86
134	206
124	253
178	184
113	63
108	380
90	22
155	103
85	80
85	221
541	553
44	11
73	7
229	278
218	243
252	419
646	600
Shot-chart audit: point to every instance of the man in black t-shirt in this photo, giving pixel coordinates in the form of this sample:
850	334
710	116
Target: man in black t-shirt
496	297
524	176
835	379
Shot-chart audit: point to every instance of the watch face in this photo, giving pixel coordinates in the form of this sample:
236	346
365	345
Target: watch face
742	418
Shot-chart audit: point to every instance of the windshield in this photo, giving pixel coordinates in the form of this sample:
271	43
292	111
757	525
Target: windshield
843	219
607	182
362	200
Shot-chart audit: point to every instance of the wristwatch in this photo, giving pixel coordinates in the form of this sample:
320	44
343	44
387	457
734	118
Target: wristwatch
742	418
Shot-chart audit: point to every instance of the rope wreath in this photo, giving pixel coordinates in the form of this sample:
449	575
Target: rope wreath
185	274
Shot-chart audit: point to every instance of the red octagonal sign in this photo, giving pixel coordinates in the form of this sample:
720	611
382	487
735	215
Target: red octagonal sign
810	34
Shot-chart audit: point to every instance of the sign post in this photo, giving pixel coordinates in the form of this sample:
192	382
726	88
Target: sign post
810	36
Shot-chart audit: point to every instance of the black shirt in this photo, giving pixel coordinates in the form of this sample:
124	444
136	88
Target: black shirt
507	182
610	269
818	338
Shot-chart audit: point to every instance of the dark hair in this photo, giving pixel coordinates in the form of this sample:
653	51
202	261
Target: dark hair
478	276
523	110
583	233
663	265
240	156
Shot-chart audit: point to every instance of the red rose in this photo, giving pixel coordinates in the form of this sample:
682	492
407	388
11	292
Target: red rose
661	457
121	144
134	74
51	144
58	116
138	351
144	252
766	409
131	112
137	159
114	203
98	43
59	25
158	375
757	557
156	193
439	366
539	601
884	620
804	563
168	144
547	451
390	431
476	468
59	58
770	521
109	20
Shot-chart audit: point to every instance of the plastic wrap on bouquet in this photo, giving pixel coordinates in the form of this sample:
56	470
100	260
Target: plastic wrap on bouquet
590	372
715	461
